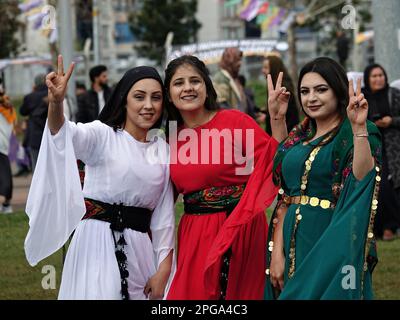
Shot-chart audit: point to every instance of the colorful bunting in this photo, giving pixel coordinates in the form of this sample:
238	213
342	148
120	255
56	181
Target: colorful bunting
28	5
263	8
272	13
278	18
266	13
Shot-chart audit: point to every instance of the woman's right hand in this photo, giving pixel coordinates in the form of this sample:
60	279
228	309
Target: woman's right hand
277	268
57	82
278	98
384	122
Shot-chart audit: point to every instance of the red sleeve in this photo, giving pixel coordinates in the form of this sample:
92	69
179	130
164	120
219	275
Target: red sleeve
262	140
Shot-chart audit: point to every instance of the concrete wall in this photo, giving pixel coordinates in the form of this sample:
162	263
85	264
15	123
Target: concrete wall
387	35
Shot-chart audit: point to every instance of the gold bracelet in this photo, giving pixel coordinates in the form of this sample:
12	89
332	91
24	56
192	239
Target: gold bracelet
361	135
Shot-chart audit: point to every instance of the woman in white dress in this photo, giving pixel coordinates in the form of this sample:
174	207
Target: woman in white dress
124	217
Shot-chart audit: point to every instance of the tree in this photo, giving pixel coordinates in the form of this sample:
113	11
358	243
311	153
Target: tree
316	15
158	17
8	27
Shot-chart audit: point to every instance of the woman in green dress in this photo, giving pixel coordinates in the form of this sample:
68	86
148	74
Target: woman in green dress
320	243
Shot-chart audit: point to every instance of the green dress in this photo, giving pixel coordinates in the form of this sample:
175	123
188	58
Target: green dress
330	252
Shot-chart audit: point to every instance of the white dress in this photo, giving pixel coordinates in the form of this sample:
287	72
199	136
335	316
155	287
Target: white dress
119	169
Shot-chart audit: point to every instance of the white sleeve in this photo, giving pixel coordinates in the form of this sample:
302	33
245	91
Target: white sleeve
55	202
163	223
87	140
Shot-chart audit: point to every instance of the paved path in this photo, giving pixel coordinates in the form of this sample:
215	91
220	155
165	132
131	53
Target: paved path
20	191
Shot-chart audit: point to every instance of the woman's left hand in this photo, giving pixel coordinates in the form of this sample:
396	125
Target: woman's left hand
357	110
155	286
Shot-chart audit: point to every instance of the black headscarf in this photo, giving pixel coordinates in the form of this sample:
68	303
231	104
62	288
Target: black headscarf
378	101
114	111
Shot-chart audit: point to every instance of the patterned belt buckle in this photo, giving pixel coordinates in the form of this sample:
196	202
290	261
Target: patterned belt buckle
314	201
325	204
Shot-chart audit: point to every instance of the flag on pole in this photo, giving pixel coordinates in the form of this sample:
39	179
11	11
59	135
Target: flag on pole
272	13
251	11
28	5
263	8
278	18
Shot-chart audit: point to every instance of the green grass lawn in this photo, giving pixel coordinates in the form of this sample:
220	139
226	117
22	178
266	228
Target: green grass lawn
18	280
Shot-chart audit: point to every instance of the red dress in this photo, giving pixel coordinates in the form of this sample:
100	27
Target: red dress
203	239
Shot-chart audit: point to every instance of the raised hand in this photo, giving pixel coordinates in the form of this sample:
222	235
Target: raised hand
57	82
278	98
357	110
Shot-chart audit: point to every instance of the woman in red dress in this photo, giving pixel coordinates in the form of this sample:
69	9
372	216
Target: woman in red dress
221	161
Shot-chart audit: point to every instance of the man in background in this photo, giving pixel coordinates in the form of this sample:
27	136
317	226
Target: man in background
92	102
342	47
35	106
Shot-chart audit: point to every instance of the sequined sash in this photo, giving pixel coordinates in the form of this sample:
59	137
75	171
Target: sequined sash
214	199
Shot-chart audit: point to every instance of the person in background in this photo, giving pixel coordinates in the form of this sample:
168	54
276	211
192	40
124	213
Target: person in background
92	102
35	107
342	47
8	117
252	109
273	65
80	89
384	111
230	92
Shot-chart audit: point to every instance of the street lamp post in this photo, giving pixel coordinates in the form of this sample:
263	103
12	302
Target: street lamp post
96	44
67	49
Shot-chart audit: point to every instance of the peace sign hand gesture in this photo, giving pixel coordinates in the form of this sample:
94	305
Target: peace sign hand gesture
57	82
357	110
278	98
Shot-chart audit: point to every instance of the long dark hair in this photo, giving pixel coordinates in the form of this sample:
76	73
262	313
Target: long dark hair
200	67
367	73
334	74
114	112
275	66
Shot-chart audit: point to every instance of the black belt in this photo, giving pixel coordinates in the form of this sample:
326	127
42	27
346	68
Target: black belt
120	217
191	209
